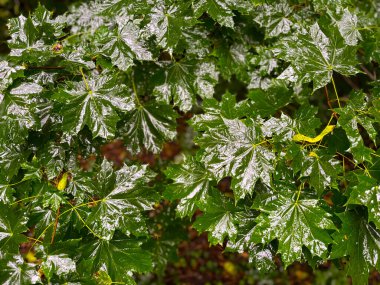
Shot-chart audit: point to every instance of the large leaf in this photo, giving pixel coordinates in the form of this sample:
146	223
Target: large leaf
122	44
123	195
8	74
219	218
118	257
219	10
367	193
94	102
12	148
361	242
238	149
184	80
17	272
352	116
275	18
12	225
192	183
20	103
294	223
314	57
149	126
322	170
168	22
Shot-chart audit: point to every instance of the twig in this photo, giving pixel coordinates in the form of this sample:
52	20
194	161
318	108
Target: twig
55	224
369	74
352	84
336	92
329	103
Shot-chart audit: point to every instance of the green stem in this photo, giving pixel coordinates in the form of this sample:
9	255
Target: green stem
74	35
85	80
336	92
135	92
60	215
368	28
27	198
87	226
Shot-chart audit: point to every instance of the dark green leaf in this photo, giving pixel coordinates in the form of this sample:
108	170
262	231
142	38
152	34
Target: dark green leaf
295	223
360	241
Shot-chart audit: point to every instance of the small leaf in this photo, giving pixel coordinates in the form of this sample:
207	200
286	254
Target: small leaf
192	183
219	218
63	182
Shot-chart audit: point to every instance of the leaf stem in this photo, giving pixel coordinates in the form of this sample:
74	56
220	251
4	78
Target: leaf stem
84	79
74	35
55	225
299	191
16	183
135	91
83	221
368	28
336	92
27	198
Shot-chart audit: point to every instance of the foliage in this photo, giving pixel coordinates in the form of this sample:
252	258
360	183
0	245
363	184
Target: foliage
283	100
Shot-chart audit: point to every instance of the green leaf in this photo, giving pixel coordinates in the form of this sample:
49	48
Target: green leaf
184	80
12	147
219	218
12	225
306	120
168	22
322	170
122	44
32	38
123	196
94	103
149	126
367	193
17	272
238	149
275	18
8	74
360	241
267	102
219	10
215	111
53	200
351	117
20	103
232	59
59	265
192	184
295	223
118	257
314	57
347	26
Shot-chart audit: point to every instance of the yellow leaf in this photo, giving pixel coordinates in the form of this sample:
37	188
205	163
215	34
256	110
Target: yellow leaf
230	268
303	138
30	257
63	182
313	154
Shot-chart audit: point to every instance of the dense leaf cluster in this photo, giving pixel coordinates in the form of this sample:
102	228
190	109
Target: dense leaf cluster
273	108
